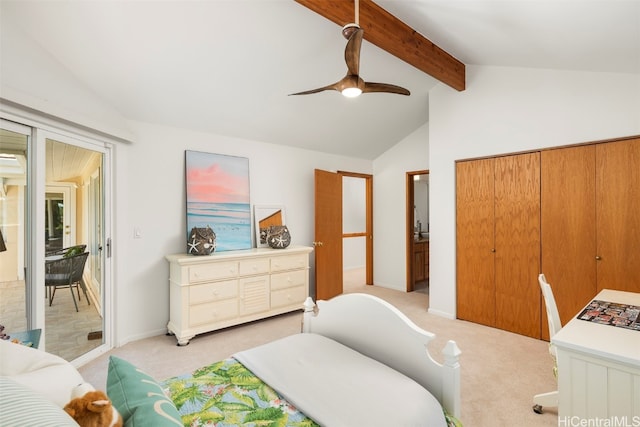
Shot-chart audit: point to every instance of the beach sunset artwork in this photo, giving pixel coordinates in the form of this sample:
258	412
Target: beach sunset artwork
218	196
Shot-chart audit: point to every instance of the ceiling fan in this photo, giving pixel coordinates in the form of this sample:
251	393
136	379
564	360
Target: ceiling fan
352	84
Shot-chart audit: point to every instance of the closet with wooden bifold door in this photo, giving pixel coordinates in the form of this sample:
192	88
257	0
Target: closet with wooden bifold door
572	213
590	222
498	242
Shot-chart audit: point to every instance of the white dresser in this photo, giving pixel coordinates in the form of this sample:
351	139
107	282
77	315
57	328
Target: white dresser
599	369
227	288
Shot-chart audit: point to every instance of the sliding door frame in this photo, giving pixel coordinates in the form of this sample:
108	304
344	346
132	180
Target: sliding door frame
43	128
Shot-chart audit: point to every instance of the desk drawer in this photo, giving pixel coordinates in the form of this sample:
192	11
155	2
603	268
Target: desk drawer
213	271
291	262
213	312
288	297
289	279
211	292
254	266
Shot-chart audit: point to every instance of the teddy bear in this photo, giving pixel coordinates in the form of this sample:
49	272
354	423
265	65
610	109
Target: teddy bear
92	408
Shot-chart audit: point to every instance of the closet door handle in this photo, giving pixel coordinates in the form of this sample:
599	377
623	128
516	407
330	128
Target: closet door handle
598	258
493	250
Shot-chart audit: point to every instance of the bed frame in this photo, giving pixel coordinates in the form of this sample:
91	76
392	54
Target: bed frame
379	330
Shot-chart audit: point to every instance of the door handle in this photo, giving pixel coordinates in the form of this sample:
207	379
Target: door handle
316	244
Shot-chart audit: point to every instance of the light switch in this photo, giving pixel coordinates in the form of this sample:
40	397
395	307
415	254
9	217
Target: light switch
137	233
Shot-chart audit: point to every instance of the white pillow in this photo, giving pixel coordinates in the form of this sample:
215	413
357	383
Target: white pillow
22	407
50	375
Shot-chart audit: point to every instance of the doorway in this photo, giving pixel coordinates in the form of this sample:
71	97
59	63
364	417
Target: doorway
357	236
330	234
49	181
417	233
59	216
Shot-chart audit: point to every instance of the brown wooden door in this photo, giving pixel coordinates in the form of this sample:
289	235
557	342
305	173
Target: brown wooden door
568	225
475	245
618	215
328	234
517	243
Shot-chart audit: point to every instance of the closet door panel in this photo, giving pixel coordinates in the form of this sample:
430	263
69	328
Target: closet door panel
618	215
517	240
474	241
568	224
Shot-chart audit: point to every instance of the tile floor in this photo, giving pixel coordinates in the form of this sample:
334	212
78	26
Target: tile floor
67	331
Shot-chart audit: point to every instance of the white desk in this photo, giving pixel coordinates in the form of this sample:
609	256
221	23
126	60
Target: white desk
599	367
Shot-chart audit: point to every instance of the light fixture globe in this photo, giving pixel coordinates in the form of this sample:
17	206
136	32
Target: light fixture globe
351	86
351	92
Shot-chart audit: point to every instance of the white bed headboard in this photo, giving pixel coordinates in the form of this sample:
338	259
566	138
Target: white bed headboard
379	330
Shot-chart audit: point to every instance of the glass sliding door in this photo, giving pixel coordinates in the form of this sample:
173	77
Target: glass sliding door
74	317
54	195
14	211
96	235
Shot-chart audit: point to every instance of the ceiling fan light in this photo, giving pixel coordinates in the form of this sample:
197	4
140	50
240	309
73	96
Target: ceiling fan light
351	92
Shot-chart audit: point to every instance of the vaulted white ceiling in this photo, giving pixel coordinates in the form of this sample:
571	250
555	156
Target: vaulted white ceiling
227	66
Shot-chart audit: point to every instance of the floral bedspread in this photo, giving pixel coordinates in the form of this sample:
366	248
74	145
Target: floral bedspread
226	394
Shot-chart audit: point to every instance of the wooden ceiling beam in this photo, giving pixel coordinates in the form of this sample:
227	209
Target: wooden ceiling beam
394	36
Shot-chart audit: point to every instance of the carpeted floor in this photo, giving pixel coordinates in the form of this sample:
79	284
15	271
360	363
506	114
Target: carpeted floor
501	371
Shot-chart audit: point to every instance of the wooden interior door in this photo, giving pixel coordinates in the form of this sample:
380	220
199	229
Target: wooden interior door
328	234
618	215
567	228
517	243
475	246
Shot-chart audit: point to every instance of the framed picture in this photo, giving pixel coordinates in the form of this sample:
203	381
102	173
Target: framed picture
218	197
266	216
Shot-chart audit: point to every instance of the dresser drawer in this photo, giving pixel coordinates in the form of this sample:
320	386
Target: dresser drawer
213	271
213	312
254	266
211	292
291	262
287	297
289	279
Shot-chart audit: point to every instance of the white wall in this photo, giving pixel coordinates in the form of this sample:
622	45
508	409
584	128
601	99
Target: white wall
31	77
389	207
506	110
150	194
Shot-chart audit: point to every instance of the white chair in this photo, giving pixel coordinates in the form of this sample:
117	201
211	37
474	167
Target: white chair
550	398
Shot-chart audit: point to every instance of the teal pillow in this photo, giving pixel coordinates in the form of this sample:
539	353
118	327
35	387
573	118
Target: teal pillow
138	397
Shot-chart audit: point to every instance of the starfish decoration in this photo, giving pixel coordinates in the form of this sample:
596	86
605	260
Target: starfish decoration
279	241
193	246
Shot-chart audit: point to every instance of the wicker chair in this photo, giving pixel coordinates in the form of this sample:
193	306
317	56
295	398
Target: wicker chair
66	272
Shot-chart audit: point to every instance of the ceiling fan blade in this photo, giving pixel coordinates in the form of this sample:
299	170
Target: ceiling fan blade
352	52
384	87
333	86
